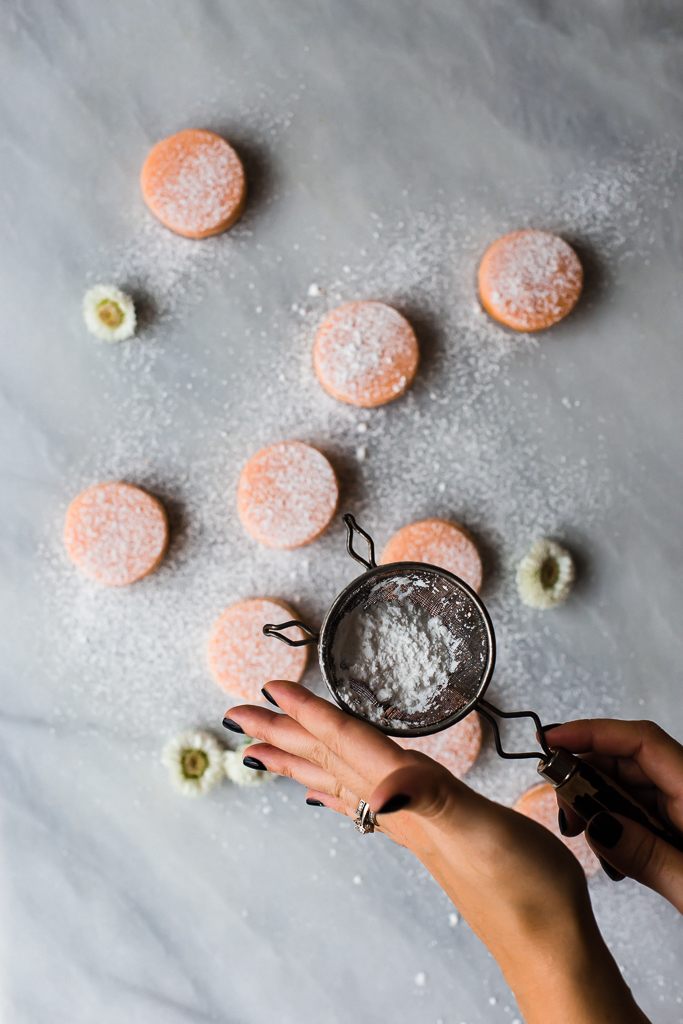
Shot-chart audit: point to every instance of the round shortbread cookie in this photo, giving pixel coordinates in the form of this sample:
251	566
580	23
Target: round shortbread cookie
540	803
287	495
115	533
437	542
194	183
365	354
242	660
530	279
455	748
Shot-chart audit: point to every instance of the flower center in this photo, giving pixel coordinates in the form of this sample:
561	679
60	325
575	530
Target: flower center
194	763
550	571
110	313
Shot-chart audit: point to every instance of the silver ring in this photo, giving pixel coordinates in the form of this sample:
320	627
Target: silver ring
365	820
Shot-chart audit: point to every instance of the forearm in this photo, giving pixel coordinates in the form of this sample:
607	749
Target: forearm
572	979
555	962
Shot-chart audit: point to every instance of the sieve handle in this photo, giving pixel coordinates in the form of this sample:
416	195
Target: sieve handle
351	528
588	791
271	629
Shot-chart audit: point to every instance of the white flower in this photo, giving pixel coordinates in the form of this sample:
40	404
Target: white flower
195	762
236	771
109	313
545	575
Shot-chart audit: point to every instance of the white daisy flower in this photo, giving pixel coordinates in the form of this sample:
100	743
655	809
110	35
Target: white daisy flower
236	771
109	313
194	761
545	575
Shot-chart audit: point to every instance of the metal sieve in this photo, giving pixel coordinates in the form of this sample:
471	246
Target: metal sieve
461	610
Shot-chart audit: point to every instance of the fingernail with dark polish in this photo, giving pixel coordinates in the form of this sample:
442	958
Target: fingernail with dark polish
611	872
268	697
605	829
253	762
314	803
232	726
562	822
395	803
553	725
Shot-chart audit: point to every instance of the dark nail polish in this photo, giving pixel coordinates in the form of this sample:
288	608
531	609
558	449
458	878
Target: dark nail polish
268	697
314	803
605	829
611	872
395	803
232	726
562	822
253	762
553	725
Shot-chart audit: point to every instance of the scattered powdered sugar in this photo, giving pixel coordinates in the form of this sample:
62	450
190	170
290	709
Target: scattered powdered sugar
457	446
404	655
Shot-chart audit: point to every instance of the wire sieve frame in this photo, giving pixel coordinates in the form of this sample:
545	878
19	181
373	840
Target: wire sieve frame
349	598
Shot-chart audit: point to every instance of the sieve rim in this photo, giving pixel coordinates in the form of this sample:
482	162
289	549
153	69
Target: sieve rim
398	568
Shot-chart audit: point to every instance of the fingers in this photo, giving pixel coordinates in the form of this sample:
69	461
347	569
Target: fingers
318	797
310	775
283	732
366	750
630	849
658	756
571	824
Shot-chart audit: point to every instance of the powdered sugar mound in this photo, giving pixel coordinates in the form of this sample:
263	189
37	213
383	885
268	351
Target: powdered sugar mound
404	655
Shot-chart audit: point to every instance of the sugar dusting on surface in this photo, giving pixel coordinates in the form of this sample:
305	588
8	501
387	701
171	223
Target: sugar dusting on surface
501	485
118	646
456	446
404	655
287	494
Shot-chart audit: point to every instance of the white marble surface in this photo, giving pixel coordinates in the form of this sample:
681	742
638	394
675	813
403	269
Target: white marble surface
386	145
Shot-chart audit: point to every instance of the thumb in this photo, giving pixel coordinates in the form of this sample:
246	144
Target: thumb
631	849
423	788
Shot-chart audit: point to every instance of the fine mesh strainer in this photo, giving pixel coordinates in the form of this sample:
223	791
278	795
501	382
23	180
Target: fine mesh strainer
456	605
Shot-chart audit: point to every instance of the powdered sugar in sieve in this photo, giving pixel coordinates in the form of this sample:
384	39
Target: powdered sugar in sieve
408	648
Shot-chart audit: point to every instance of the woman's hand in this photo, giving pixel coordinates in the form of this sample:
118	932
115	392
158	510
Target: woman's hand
519	888
648	763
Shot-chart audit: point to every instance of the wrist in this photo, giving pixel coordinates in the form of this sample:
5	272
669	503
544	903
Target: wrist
571	974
